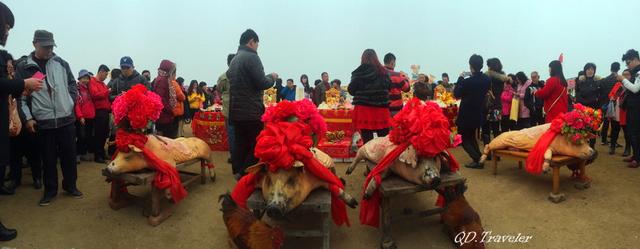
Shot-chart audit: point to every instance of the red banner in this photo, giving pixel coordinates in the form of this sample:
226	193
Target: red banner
209	126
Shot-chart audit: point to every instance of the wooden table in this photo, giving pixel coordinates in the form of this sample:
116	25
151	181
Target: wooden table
556	163
155	206
318	201
396	186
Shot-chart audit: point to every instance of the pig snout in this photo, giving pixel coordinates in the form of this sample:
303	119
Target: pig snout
112	167
431	178
276	206
275	211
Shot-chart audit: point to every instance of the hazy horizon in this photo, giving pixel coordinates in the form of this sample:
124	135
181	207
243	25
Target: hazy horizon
309	37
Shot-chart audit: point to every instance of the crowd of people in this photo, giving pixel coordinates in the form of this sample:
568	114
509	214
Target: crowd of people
68	116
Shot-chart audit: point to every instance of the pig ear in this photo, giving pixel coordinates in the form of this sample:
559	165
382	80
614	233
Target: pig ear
298	164
255	168
134	148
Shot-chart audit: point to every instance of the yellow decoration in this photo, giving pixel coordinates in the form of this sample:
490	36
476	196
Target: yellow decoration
333	99
443	96
335	136
269	96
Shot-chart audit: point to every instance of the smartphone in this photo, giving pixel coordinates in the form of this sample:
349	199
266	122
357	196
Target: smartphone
39	75
466	74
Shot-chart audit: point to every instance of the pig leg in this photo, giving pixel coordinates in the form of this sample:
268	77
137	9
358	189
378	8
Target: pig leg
547	159
359	157
485	153
372	186
343	195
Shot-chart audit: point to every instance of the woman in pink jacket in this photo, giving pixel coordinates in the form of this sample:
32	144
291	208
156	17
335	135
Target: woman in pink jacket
506	124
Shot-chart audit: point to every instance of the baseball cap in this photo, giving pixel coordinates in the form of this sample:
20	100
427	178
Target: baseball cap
126	62
84	72
43	38
104	68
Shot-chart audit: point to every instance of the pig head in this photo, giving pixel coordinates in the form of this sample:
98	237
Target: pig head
285	189
172	151
526	139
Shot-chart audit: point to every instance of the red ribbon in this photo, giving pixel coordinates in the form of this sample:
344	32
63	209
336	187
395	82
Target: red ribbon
166	175
536	156
279	145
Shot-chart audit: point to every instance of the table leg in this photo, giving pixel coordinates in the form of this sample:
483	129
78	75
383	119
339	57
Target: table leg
119	197
158	215
387	241
495	163
326	231
519	164
584	182
555	196
203	172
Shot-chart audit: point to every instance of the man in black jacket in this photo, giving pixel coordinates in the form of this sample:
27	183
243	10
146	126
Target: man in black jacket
247	82
127	79
472	91
537	117
605	87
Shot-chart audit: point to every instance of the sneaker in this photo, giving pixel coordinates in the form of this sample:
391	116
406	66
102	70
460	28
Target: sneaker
7	234
75	194
100	160
633	164
475	165
626	152
45	201
6	191
628	160
612	150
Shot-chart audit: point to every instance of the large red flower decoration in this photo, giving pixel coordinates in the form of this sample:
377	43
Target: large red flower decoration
138	105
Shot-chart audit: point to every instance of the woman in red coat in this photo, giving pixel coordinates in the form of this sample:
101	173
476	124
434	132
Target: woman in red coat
554	92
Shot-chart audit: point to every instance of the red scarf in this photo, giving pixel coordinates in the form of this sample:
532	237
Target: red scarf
278	146
536	156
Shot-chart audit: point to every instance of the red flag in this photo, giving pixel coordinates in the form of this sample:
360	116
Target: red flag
561	58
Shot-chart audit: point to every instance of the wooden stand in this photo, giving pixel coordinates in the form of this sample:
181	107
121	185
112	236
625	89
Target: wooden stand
318	201
156	206
556	163
396	186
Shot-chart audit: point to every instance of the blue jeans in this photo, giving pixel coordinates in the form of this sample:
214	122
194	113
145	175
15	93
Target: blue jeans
230	136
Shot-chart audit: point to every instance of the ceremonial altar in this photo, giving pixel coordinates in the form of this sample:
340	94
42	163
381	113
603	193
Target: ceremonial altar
209	126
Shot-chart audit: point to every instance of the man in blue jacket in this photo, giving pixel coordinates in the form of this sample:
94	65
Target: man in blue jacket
288	92
472	92
51	115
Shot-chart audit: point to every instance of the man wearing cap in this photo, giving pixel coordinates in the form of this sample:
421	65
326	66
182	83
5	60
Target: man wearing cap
100	96
51	114
127	79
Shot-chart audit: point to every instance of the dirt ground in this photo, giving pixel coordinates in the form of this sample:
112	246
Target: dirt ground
511	203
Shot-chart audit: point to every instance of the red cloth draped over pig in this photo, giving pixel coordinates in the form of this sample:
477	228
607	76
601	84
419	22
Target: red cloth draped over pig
132	112
284	141
423	126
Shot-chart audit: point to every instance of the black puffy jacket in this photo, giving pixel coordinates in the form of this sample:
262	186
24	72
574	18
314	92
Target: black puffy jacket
587	91
247	84
606	85
368	87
